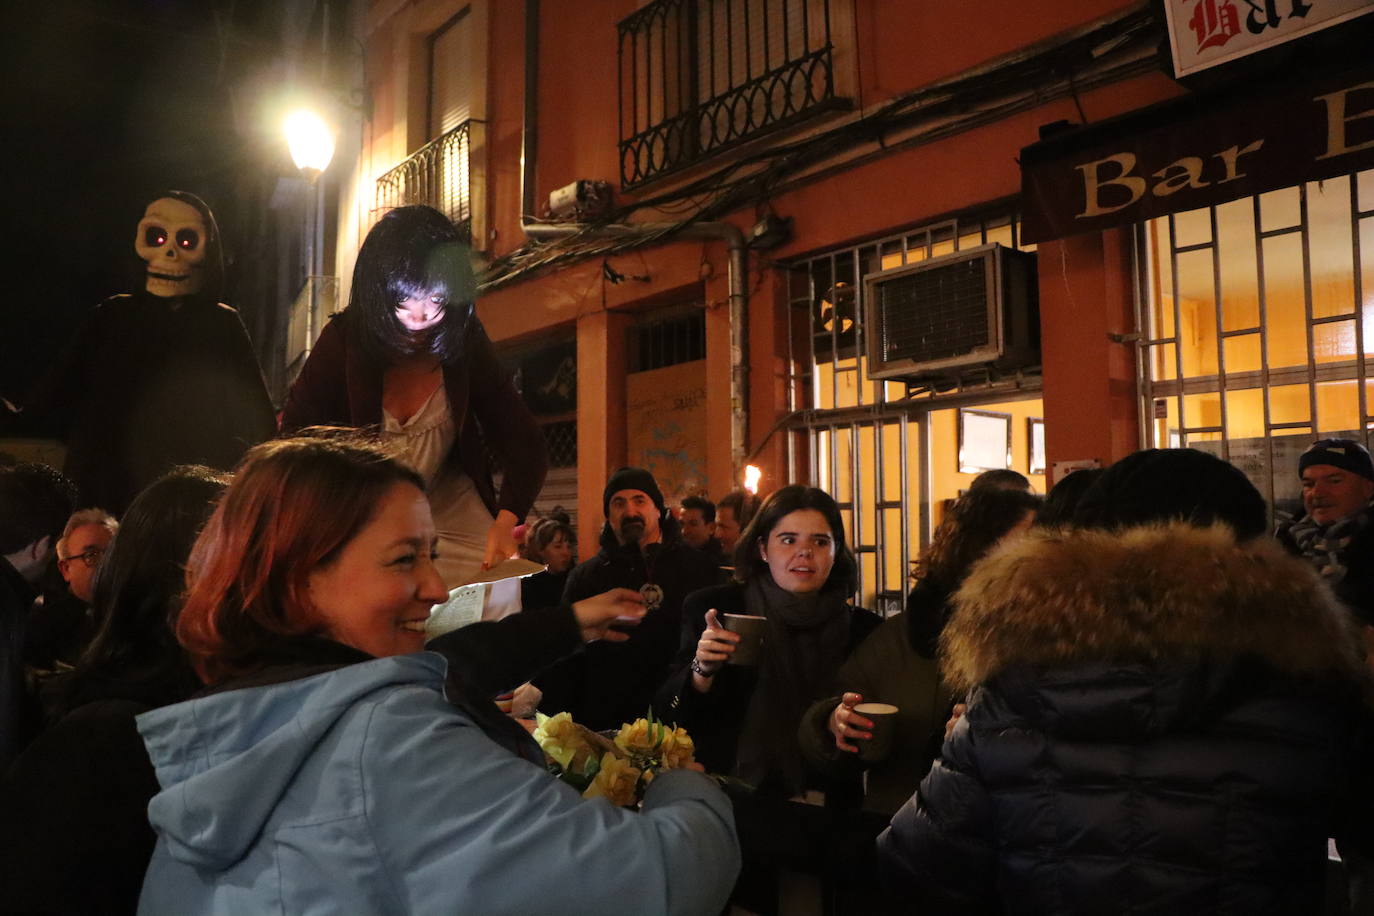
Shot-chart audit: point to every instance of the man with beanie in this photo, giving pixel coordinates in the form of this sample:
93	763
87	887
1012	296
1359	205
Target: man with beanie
641	548
1335	534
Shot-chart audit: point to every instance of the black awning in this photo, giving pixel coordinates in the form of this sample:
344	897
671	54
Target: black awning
1197	151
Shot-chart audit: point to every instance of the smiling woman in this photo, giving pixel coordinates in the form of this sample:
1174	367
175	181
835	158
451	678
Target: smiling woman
327	739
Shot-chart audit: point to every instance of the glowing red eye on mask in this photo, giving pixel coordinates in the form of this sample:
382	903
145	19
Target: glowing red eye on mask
154	236
188	239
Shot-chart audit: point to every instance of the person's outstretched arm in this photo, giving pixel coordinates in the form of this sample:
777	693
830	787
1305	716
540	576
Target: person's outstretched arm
461	825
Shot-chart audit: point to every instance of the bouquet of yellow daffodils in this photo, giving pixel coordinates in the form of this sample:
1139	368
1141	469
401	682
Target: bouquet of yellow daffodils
618	769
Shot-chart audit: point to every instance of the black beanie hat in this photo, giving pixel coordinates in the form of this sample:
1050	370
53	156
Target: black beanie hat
631	479
1175	484
1346	454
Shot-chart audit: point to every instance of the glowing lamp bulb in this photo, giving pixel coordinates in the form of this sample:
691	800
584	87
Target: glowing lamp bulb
752	474
310	140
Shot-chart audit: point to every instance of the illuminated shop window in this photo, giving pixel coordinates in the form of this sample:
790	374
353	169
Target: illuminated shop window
1257	315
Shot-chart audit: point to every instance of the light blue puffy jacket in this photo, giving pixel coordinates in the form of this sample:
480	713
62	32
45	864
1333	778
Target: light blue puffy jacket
362	790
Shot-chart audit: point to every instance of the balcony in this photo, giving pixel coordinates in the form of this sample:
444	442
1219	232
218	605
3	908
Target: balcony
701	76
441	175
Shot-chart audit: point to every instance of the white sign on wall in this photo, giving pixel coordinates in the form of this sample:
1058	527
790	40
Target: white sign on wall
1204	33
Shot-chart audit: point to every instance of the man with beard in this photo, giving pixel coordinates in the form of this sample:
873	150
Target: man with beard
641	548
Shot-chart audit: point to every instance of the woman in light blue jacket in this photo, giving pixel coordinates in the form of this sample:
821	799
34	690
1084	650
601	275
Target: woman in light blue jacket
333	766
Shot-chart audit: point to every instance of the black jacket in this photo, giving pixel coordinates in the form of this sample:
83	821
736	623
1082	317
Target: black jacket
149	383
1163	722
16	711
714	719
612	683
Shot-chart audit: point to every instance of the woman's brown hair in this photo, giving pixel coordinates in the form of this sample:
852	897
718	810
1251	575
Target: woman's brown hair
292	506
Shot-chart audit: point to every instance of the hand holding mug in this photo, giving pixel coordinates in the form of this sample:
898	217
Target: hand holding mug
715	647
846	724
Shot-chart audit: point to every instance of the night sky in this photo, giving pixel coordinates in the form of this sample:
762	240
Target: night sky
108	102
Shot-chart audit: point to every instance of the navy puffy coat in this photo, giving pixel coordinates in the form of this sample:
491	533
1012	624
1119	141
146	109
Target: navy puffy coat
1161	721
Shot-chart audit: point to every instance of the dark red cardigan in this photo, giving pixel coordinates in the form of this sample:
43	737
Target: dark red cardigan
340	386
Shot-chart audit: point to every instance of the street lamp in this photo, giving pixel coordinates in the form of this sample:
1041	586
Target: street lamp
311	142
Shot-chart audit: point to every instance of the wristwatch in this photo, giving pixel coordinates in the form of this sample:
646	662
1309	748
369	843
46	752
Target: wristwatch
697	668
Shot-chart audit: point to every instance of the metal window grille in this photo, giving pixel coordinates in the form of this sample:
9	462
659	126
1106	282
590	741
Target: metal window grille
699	76
561	440
439	174
865	441
668	341
1255	316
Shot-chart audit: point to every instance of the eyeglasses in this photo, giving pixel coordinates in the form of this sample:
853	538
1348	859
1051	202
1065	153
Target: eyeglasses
91	556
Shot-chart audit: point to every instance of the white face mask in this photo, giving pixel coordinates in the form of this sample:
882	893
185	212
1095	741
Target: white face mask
172	238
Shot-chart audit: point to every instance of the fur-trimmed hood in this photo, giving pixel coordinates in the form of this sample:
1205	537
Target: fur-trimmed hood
1156	593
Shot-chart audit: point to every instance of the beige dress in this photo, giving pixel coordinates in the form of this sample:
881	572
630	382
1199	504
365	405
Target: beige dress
460	517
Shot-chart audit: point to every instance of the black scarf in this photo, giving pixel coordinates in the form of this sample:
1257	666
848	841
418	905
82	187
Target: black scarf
805	640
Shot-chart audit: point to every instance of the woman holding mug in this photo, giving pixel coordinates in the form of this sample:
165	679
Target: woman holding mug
333	765
410	358
794	569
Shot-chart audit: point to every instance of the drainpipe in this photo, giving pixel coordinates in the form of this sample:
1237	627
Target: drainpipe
712	231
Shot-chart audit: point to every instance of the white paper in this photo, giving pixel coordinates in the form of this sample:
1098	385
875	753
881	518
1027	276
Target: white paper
464	606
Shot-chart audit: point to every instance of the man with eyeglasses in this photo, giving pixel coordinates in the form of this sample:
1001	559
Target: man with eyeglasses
83	544
61	624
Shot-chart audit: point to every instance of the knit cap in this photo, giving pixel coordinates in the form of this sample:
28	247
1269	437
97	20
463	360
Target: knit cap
1346	454
1173	484
631	479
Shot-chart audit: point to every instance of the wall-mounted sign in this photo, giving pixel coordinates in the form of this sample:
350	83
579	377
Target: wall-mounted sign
1063	469
1199	151
1204	33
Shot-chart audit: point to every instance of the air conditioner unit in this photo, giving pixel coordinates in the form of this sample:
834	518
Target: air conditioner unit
976	307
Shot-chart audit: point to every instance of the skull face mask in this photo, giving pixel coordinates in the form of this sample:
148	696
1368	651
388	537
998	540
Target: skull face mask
172	238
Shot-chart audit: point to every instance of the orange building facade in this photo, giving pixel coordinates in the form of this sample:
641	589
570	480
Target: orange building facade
866	137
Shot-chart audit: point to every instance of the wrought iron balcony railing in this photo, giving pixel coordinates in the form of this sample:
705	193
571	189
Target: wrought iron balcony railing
439	174
700	76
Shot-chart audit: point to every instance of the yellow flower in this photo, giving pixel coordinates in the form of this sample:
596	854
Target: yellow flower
657	743
615	781
562	741
640	738
677	749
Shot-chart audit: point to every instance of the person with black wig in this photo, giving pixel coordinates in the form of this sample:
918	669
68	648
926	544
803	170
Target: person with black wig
74	834
794	568
409	358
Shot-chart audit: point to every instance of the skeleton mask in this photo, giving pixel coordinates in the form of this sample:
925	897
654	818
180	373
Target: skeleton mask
172	238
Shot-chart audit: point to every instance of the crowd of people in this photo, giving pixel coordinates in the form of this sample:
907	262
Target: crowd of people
1124	696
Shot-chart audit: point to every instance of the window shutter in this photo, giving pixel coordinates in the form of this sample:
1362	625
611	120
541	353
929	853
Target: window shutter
451	77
